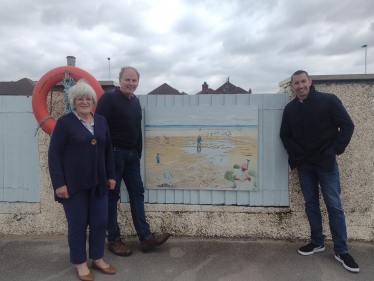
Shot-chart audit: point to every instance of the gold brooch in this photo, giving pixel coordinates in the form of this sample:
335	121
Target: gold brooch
93	141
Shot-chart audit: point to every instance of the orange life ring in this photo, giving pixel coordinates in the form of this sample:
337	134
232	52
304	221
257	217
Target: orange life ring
45	84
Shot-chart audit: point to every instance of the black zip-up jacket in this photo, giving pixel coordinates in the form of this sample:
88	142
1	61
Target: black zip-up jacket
124	117
316	129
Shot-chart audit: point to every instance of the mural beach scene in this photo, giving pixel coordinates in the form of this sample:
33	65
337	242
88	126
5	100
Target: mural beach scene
198	148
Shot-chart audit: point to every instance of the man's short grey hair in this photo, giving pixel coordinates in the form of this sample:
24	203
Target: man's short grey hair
123	69
81	89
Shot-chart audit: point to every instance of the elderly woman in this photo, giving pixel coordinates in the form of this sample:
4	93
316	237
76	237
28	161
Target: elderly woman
81	166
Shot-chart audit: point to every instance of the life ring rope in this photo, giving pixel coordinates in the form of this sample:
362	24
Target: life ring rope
46	118
67	86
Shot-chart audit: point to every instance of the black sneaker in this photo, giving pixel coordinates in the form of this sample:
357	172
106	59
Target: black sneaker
348	262
310	249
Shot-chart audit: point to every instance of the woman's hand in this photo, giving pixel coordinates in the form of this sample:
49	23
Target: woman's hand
111	184
62	192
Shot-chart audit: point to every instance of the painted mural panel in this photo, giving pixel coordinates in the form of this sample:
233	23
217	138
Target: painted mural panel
201	147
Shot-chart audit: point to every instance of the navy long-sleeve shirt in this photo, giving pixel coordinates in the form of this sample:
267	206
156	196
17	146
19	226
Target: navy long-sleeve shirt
74	161
124	117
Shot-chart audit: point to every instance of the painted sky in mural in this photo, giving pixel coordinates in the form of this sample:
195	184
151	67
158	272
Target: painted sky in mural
211	148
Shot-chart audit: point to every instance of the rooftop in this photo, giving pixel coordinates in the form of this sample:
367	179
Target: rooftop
23	87
165	89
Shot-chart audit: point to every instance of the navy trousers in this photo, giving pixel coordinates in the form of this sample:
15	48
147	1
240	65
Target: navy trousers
84	210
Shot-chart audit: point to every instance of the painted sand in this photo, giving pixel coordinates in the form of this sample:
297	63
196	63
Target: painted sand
183	165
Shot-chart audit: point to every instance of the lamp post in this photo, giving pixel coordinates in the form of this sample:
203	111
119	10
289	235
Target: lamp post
109	68
366	48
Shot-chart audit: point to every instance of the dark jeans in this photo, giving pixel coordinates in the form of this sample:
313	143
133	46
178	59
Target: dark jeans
309	175
128	169
82	209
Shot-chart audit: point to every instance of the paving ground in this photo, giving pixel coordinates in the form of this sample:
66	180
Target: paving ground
46	258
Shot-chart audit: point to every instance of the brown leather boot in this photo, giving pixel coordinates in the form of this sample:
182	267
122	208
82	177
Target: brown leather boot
154	241
119	248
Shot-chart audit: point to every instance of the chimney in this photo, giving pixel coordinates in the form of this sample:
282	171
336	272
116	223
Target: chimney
205	88
71	60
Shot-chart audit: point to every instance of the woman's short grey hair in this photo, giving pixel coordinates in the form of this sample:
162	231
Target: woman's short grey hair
81	89
123	69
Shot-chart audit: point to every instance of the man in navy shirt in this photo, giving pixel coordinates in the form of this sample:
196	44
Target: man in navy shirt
315	128
122	110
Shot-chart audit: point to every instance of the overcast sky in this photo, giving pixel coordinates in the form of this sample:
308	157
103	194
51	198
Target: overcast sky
257	43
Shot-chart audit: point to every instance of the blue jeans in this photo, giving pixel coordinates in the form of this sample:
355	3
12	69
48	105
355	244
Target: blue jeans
309	176
127	168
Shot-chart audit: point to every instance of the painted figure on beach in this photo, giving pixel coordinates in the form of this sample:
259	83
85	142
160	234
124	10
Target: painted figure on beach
199	140
158	159
242	175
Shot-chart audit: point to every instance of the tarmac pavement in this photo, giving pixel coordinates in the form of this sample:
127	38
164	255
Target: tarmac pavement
46	258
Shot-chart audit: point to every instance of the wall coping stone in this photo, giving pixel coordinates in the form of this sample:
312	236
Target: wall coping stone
334	78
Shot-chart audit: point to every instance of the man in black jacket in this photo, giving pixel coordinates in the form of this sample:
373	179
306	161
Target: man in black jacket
315	128
122	110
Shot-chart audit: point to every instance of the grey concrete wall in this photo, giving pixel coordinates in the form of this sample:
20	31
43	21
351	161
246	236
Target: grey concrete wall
356	169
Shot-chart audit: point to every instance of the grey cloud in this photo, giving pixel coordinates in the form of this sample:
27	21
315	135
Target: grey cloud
52	16
77	15
237	7
342	11
246	42
298	45
190	24
331	13
123	18
23	63
17	13
133	28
